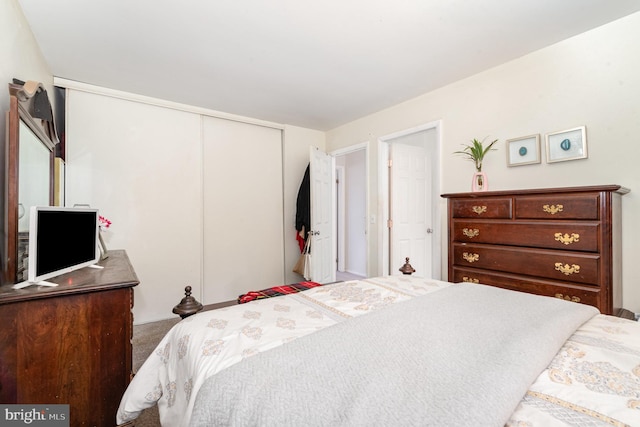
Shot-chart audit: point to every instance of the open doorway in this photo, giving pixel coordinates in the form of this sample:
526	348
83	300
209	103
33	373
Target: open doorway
351	212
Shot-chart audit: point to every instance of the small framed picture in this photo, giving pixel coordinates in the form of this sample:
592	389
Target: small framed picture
568	144
523	151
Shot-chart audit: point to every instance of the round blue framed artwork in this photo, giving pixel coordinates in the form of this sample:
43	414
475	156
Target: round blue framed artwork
523	151
570	144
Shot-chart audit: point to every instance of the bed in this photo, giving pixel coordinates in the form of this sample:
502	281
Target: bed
399	350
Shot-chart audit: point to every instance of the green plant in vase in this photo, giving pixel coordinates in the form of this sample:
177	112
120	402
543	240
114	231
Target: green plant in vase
476	151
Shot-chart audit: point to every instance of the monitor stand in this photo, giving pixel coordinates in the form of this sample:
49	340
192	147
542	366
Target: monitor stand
44	282
27	283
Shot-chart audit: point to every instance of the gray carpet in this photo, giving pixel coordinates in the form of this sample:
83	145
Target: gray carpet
145	339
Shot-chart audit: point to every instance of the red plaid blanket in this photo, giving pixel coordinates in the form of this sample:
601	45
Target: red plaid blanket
276	291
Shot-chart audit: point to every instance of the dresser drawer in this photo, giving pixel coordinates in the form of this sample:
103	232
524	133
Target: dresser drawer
575	293
558	206
482	208
558	265
563	235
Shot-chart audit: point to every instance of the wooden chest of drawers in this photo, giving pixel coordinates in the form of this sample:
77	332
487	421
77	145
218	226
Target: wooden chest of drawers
562	242
70	344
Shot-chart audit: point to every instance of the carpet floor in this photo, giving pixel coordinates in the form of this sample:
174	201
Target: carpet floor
145	339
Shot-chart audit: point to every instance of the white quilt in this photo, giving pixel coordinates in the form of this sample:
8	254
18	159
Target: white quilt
594	380
607	350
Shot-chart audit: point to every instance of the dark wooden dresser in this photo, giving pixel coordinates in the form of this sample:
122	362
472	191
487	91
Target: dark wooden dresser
562	242
70	344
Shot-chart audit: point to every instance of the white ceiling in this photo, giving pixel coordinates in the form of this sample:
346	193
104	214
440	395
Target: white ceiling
313	64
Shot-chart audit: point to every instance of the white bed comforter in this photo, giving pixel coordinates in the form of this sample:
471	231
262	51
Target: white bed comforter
594	380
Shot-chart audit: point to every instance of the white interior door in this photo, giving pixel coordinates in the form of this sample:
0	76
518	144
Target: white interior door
322	188
410	225
341	203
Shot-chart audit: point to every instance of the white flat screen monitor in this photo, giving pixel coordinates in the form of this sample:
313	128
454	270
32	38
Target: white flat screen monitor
61	240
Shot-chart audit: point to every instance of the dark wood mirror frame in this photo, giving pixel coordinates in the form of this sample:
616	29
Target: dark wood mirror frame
20	105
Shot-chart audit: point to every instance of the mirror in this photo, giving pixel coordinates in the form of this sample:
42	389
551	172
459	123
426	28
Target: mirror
29	175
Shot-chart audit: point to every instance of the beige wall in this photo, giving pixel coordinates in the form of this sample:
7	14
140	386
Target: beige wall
21	56
22	59
592	79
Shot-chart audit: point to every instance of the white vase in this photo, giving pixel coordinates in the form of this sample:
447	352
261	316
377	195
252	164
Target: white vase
480	182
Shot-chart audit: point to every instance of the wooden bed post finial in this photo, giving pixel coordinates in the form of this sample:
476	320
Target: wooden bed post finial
406	268
188	305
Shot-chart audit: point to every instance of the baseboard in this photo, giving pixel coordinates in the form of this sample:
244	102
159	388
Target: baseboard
219	305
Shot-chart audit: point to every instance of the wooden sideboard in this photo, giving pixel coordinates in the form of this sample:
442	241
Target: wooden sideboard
70	344
562	242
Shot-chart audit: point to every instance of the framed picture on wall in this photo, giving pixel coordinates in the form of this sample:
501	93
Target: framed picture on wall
523	151
570	144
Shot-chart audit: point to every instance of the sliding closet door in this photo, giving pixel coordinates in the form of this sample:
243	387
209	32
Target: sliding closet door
243	208
140	165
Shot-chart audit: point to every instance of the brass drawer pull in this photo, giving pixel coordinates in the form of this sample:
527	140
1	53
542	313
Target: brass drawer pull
471	232
479	209
567	269
469	280
566	238
470	257
568	298
552	209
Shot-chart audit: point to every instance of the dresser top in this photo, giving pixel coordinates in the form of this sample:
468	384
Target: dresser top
117	273
596	188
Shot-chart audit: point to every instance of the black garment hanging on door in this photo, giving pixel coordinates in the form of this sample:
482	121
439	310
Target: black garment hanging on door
303	209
